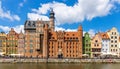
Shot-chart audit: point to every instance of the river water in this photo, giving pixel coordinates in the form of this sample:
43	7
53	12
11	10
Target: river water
58	66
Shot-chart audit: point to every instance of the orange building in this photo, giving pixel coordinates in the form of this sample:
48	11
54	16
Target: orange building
3	42
42	41
65	44
12	42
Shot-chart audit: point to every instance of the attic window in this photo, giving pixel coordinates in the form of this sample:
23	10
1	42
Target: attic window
29	24
34	24
52	37
103	35
67	34
96	40
73	34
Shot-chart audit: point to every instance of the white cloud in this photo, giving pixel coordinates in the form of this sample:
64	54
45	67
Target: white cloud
16	28
19	28
34	16
84	9
7	14
4	28
22	3
117	1
91	32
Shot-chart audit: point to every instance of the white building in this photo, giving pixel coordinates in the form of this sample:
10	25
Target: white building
114	41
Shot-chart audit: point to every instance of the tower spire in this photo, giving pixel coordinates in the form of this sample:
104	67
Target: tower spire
52	13
52	18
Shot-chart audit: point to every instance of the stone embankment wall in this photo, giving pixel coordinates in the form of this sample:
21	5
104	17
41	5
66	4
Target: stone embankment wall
19	60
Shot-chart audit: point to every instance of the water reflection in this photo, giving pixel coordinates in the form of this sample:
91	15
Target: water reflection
58	66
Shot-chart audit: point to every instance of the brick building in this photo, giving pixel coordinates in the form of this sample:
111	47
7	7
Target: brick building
42	41
12	42
21	43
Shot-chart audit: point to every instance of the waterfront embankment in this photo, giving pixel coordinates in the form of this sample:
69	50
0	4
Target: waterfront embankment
30	60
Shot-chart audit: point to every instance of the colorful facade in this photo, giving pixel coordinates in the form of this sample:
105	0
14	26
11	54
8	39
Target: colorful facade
87	44
96	45
3	42
105	43
21	43
12	42
114	41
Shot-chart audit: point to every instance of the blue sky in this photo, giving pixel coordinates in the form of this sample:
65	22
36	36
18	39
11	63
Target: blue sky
94	16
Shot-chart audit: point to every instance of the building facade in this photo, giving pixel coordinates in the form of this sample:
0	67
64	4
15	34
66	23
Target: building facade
65	44
87	44
41	40
105	43
12	42
96	45
3	39
21	43
114	41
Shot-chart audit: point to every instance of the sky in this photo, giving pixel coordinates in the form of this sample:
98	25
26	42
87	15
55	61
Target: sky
93	15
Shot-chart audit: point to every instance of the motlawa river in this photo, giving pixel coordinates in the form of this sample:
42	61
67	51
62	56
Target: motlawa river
58	66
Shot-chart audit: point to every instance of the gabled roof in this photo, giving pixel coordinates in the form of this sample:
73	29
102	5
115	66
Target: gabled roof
104	35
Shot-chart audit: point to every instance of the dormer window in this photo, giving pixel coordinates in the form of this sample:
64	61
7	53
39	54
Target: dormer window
34	24
29	24
96	40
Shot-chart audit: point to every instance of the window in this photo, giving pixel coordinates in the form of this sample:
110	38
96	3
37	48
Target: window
31	50
89	49
52	37
113	50
103	49
96	40
112	41
86	45
115	37
31	40
76	38
112	33
31	45
116	41
111	37
115	45
111	45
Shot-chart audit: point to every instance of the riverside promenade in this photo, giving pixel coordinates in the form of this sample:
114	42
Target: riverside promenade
31	60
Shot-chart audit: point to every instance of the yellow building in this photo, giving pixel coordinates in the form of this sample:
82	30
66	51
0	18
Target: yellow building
2	42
